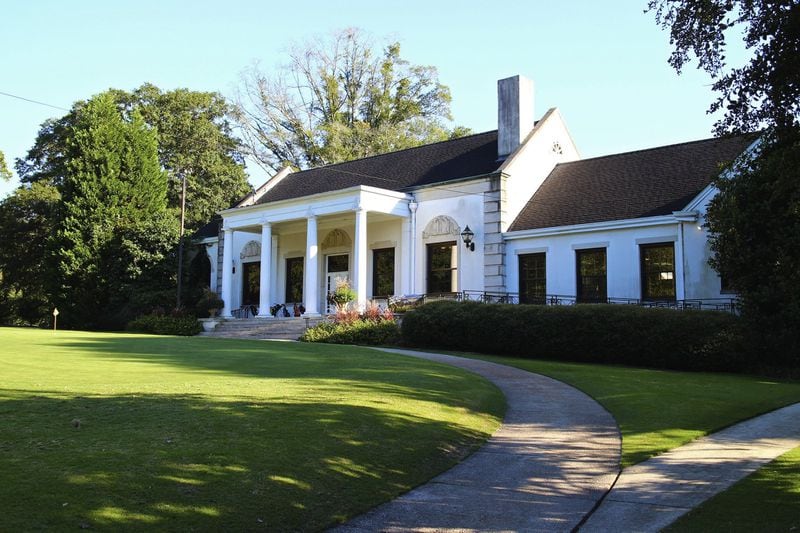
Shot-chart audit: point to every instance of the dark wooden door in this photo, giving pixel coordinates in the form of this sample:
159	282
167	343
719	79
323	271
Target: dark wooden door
252	283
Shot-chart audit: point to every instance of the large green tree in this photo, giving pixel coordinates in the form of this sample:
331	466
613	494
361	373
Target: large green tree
764	92
5	174
28	222
113	224
755	218
340	99
195	141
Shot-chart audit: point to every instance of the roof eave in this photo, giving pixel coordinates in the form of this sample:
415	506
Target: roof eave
589	227
315	197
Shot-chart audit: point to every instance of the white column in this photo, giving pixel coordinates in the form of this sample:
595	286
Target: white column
310	283
405	249
360	258
227	275
273	282
264	296
680	271
211	252
412	250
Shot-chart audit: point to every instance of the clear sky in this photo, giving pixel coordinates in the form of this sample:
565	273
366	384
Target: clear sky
603	64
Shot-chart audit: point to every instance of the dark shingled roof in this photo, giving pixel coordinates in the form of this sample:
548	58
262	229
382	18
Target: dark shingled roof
637	184
464	157
211	229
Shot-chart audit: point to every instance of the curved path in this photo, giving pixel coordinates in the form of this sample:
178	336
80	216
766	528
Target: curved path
553	459
651	495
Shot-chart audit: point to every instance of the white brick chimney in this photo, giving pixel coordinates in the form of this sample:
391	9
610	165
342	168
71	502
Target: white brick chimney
514	113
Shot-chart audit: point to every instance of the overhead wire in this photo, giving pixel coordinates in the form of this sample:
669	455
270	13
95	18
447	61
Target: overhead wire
358	174
33	101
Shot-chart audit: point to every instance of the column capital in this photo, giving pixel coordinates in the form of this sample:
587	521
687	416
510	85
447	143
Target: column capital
266	224
311	215
412	206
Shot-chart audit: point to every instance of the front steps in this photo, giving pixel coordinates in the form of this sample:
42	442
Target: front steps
263	328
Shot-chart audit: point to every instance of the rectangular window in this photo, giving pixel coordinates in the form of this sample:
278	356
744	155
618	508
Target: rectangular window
383	272
532	278
442	267
658	271
592	279
294	280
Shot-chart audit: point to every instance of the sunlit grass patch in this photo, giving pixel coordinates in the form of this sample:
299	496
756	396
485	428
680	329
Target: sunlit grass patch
135	432
767	500
658	410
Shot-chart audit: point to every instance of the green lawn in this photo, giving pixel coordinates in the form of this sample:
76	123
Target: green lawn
131	432
658	410
767	500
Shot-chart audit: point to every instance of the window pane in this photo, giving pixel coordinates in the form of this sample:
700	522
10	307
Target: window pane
383	272
338	263
441	267
532	278
294	280
658	271
591	267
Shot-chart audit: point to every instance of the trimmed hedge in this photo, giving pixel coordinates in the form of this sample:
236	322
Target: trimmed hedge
165	325
361	331
620	334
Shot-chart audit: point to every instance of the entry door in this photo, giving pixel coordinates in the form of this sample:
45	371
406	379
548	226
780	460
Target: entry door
251	273
336	272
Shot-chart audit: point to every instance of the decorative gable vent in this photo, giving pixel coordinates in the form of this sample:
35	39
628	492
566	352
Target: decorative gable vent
336	239
251	249
441	225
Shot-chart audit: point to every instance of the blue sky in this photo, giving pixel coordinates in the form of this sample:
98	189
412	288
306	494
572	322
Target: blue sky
604	64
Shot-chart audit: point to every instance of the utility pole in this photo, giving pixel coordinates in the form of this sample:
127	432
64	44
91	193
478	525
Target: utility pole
180	244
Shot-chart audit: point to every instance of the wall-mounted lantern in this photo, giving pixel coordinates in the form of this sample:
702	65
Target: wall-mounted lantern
467	236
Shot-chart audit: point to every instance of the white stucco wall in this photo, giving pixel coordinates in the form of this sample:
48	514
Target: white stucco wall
463	202
694	278
702	281
547	145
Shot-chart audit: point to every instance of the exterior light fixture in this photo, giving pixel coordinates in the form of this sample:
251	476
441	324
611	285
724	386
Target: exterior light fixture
467	236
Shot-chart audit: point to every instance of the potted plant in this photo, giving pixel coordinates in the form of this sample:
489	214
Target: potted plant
209	303
342	296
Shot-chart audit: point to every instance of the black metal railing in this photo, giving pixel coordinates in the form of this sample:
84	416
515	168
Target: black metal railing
729	305
246	311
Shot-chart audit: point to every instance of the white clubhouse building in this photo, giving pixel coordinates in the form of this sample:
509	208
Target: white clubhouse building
513	214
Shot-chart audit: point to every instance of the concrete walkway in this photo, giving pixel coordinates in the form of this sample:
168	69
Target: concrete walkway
555	456
653	494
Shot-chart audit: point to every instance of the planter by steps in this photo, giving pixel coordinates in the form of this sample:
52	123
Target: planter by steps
209	324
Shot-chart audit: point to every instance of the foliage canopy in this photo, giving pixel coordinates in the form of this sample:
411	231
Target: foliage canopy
755	218
194	139
338	99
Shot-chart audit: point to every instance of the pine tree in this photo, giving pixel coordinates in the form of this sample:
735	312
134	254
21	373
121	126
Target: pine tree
114	226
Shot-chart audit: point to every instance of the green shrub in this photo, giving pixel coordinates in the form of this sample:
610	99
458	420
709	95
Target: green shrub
165	325
208	304
619	334
361	331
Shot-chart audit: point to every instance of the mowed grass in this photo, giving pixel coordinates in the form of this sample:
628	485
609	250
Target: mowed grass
767	500
122	432
658	410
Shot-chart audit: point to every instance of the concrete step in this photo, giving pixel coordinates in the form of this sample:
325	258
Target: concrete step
263	328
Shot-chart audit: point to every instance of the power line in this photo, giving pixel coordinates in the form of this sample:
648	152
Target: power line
33	101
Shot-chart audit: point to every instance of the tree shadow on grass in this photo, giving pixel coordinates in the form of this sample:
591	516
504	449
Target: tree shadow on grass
362	368
182	462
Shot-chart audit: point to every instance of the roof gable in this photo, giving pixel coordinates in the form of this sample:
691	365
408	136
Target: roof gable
473	155
636	184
